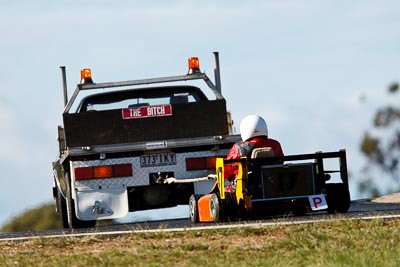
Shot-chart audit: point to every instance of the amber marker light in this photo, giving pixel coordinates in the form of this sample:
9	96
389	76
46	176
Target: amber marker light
86	76
102	172
194	65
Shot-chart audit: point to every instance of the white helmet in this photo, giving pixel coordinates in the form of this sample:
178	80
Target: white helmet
253	125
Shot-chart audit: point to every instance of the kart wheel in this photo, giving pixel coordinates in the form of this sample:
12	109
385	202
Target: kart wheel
214	207
337	198
228	207
194	207
73	221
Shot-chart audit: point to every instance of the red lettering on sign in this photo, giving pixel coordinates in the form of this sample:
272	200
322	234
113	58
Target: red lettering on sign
317	202
147	111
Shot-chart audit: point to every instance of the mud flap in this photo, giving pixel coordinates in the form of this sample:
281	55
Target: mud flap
101	204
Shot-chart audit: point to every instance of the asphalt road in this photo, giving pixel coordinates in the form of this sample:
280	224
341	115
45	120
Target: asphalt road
360	209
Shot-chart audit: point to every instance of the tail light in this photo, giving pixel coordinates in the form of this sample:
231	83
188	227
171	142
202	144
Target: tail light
104	171
203	163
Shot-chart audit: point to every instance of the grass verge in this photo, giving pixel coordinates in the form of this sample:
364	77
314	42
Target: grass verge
340	243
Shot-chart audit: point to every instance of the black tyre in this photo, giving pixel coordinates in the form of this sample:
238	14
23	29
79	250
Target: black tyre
73	221
61	203
194	207
337	198
228	207
215	208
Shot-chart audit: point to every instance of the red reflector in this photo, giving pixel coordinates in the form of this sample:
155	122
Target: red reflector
122	170
210	163
105	171
82	173
203	163
195	164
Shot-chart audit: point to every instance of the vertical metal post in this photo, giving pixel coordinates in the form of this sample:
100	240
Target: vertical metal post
343	167
64	85
217	72
320	170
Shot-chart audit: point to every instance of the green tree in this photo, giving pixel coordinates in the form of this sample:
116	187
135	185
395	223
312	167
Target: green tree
43	217
381	146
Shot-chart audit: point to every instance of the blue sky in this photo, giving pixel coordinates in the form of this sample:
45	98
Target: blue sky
303	65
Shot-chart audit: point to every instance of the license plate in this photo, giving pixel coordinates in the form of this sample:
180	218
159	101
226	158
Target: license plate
160	159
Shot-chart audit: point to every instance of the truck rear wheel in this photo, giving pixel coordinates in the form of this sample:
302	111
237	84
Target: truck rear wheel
73	221
337	198
61	203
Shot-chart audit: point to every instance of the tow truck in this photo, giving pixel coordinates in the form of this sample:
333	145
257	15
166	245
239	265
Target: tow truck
120	141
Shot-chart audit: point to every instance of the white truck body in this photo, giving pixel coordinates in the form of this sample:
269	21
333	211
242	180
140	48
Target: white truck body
118	147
